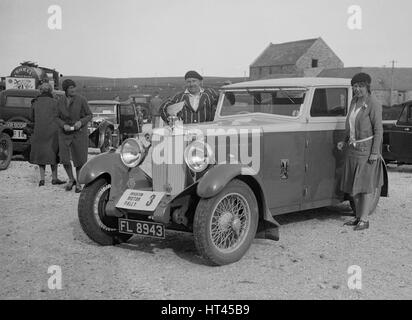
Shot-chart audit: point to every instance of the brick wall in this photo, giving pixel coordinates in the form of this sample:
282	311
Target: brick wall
320	51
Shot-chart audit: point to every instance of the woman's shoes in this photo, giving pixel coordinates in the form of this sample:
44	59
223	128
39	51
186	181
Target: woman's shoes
58	181
41	183
69	186
352	223
362	225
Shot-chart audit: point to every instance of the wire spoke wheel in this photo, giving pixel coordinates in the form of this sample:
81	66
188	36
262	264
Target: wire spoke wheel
94	221
230	222
225	225
99	206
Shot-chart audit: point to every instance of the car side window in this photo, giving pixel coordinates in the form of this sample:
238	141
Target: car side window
410	115
403	119
329	102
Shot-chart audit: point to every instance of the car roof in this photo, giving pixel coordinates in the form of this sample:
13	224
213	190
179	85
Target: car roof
103	102
290	83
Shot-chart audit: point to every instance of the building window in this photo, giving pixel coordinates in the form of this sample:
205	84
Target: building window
315	63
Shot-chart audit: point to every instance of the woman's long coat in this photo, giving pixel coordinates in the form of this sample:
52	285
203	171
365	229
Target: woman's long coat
44	140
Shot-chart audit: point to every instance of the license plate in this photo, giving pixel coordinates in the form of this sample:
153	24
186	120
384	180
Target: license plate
143	228
19	134
140	200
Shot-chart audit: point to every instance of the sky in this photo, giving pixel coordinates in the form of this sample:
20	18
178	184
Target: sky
154	38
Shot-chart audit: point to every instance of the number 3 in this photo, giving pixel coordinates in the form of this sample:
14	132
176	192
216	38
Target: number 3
148	203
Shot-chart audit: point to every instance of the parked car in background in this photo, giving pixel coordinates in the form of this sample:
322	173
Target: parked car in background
142	104
15	111
103	128
199	181
397	137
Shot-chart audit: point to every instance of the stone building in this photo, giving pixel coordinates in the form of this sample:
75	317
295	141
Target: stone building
382	83
305	58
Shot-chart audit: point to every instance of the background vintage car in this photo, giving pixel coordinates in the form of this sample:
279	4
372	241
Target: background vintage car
299	123
113	122
103	128
397	137
15	112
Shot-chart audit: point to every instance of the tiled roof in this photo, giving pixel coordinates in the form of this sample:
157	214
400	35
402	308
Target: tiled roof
283	53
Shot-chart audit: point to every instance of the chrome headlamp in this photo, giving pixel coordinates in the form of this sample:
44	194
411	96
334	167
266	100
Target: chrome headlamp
132	152
198	155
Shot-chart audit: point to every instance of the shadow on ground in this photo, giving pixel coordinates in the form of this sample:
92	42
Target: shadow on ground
337	213
180	243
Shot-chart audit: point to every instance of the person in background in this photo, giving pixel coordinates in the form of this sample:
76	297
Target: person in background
363	167
44	141
73	114
199	103
155	104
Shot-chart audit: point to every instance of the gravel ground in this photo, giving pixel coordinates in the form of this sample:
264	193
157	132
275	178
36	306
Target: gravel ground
39	228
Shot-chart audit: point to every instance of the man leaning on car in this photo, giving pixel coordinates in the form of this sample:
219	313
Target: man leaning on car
199	103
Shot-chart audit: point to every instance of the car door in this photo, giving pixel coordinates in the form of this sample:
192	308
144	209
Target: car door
400	139
323	162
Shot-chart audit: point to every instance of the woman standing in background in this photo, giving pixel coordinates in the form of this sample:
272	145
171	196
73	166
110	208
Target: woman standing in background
44	141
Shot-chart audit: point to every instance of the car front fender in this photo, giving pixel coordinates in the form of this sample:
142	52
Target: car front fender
110	166
7	130
219	176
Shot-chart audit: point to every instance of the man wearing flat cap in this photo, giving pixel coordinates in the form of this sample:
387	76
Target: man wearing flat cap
73	114
199	103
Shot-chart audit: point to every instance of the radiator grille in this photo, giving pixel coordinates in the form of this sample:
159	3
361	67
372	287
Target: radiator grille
168	175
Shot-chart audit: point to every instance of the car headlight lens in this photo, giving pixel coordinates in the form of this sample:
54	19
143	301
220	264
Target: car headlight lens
198	155
132	152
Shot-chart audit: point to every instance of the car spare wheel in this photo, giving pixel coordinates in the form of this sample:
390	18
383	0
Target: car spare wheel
6	150
108	140
224	226
95	223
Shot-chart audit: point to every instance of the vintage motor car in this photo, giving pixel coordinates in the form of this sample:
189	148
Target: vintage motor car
397	137
15	111
103	128
113	122
270	150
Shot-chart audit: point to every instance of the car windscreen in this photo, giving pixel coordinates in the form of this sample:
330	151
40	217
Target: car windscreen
24	102
102	109
283	102
140	100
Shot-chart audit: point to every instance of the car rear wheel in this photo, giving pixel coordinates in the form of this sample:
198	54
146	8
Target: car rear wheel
95	223
225	225
108	140
6	150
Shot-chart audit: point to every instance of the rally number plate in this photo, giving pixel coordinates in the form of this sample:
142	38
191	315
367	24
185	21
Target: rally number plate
144	228
140	200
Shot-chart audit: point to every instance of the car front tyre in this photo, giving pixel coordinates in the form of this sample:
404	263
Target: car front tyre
225	225
95	223
6	150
